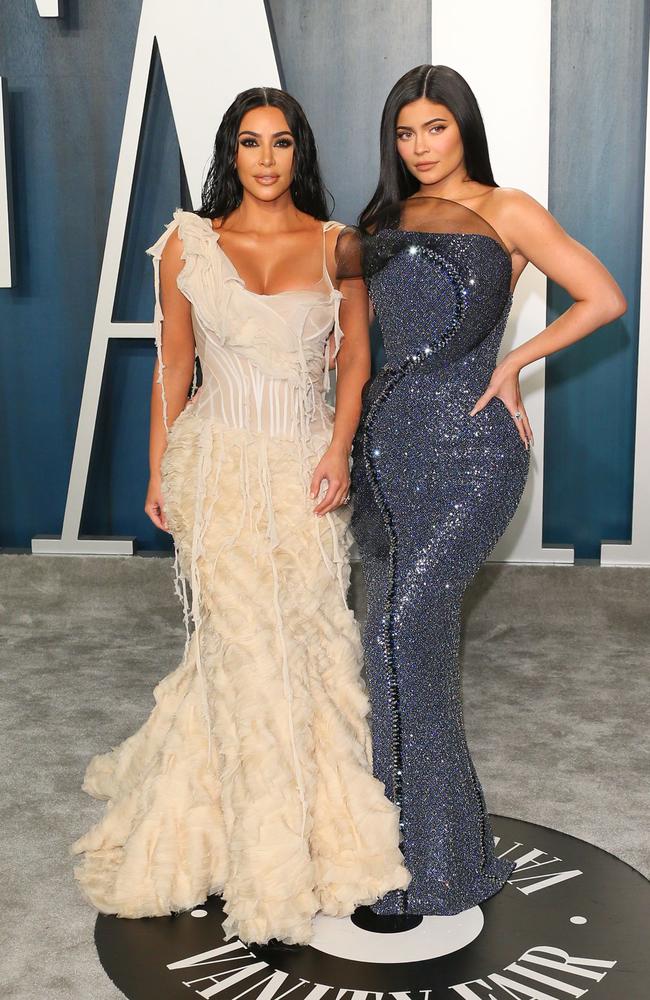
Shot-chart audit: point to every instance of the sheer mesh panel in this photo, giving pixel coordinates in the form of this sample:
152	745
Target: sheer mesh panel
359	254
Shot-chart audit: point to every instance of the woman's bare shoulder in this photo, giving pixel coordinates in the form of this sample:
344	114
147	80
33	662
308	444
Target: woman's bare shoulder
518	217
513	201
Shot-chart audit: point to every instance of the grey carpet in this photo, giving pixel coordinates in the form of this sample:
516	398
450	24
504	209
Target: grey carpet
556	693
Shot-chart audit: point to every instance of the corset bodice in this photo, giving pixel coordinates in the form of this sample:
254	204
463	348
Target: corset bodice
264	358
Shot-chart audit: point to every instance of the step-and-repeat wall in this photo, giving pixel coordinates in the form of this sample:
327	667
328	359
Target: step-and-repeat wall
108	118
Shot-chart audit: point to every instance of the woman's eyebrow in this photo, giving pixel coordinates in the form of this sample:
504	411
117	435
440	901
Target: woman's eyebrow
424	124
274	135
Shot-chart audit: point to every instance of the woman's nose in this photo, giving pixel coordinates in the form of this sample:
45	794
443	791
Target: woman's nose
267	158
421	145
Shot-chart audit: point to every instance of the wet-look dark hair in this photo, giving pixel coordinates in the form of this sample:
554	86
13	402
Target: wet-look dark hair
222	191
442	85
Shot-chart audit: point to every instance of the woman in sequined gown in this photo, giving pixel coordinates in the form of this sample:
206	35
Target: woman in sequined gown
442	453
252	776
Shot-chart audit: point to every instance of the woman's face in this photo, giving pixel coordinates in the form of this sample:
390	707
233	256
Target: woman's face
265	153
428	140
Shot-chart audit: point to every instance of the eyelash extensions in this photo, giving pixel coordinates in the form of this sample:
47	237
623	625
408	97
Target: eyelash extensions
284	143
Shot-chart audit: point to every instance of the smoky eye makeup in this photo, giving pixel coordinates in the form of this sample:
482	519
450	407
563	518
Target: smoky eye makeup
250	141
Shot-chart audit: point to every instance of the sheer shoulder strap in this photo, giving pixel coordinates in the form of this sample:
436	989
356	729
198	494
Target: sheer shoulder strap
331	355
330	224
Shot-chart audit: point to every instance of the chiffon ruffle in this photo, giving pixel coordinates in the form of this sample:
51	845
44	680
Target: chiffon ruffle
252	776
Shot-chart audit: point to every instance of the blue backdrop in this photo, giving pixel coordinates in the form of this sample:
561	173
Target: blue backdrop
68	80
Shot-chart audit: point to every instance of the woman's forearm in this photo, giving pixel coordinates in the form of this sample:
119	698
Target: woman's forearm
178	379
352	375
577	322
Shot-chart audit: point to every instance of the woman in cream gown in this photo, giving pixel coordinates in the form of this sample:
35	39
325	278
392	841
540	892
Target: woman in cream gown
252	776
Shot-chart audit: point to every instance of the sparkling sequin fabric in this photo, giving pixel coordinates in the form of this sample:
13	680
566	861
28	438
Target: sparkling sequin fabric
433	490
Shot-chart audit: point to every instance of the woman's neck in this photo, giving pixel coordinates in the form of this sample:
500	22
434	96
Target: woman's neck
255	215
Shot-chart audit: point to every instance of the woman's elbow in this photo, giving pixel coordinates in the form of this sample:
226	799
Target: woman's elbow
613	305
607	307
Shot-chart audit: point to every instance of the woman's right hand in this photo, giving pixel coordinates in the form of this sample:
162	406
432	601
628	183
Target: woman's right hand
504	383
153	505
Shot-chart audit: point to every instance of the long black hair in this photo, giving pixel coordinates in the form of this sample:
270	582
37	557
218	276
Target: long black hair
442	85
222	191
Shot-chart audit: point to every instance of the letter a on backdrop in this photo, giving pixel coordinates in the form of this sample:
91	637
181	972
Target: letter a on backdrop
185	35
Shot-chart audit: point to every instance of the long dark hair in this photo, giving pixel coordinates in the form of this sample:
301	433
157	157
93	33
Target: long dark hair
222	191
442	85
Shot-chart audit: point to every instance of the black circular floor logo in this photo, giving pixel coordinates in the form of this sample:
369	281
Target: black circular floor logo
571	922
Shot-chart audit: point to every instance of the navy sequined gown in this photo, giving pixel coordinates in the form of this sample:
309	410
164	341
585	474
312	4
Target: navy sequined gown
433	490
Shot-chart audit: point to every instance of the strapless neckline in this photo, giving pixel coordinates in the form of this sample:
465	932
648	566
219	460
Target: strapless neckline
480	236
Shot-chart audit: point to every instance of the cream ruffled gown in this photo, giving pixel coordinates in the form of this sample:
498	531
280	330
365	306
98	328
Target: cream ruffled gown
252	776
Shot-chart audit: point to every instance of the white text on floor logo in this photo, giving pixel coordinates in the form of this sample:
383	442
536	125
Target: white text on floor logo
553	969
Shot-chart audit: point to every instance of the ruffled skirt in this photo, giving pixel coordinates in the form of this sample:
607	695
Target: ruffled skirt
252	776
